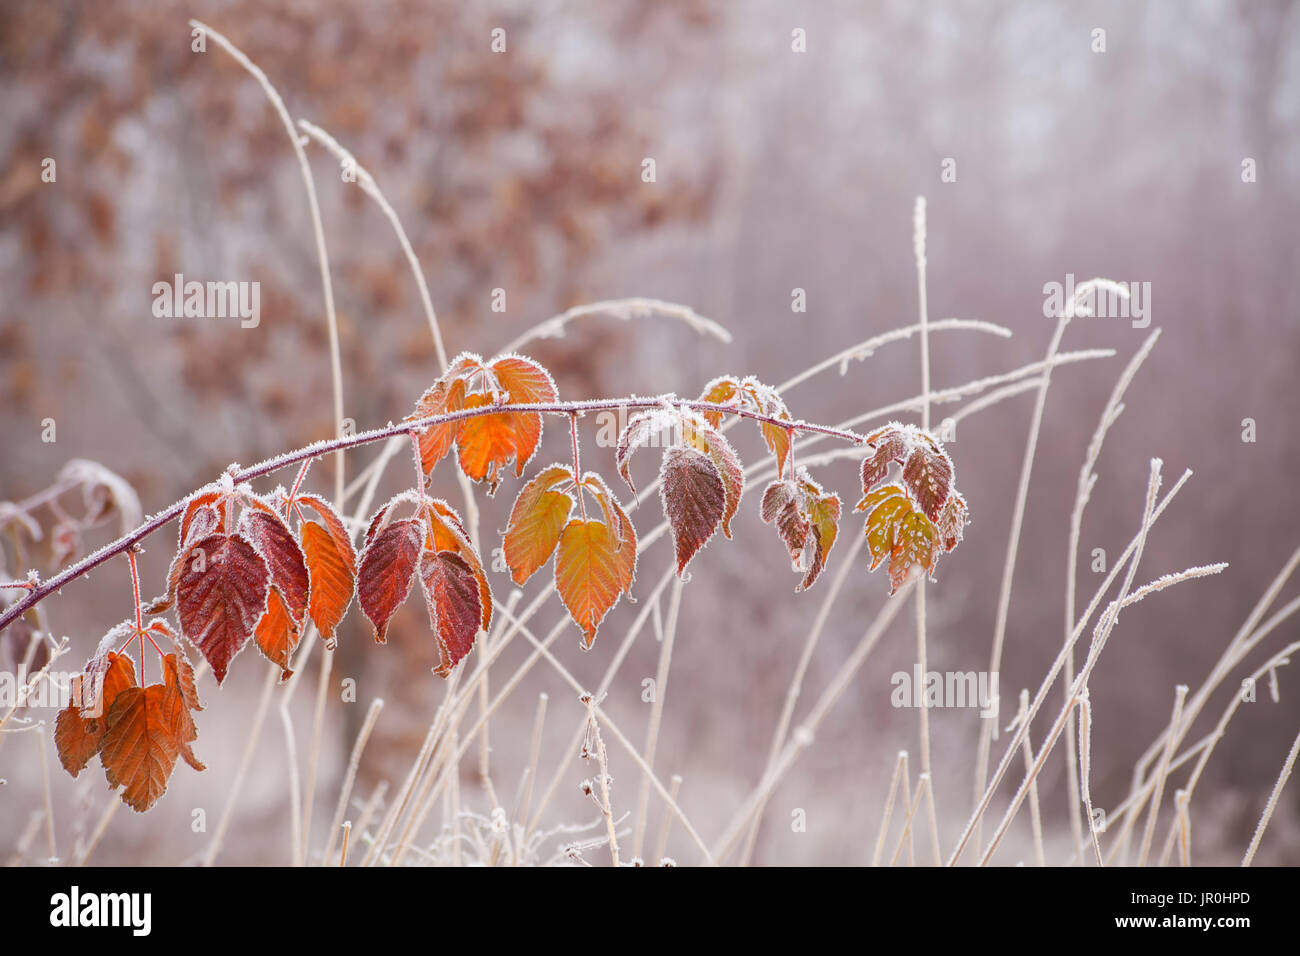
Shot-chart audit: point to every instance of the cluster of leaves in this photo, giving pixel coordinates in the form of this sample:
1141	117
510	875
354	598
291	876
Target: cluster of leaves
485	443
915	519
595	560
137	731
245	570
431	544
241	572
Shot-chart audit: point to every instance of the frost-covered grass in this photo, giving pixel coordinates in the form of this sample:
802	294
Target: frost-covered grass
428	817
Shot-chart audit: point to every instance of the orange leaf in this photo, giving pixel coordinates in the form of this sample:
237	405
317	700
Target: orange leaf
141	746
588	573
277	634
179	678
79	730
222	594
536	520
915	551
486	443
331	566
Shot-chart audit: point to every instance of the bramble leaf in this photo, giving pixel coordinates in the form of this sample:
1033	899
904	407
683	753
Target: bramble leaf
886	507
694	499
277	633
485	443
220	597
331	567
536	520
952	521
388	569
271	537
451	592
141	744
928	475
80	727
807	519
588	573
915	551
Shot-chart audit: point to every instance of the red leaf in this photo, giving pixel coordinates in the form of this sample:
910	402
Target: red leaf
888	448
928	475
388	567
694	500
268	533
221	596
452	594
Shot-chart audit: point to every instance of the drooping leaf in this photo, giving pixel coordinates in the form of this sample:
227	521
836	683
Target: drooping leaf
333	578
617	520
140	746
388	569
886	508
588	573
452	594
928	475
888	447
782	507
536	520
446	532
178	676
915	551
952	521
220	597
277	633
658	427
823	515
807	520
727	463
205	513
80	727
694	499
273	540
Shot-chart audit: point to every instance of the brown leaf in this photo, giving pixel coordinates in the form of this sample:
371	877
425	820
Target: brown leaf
928	475
694	499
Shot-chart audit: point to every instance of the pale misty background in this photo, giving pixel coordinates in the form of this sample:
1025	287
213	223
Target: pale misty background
776	170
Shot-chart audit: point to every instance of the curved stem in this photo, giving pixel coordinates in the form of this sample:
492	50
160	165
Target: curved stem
37	594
